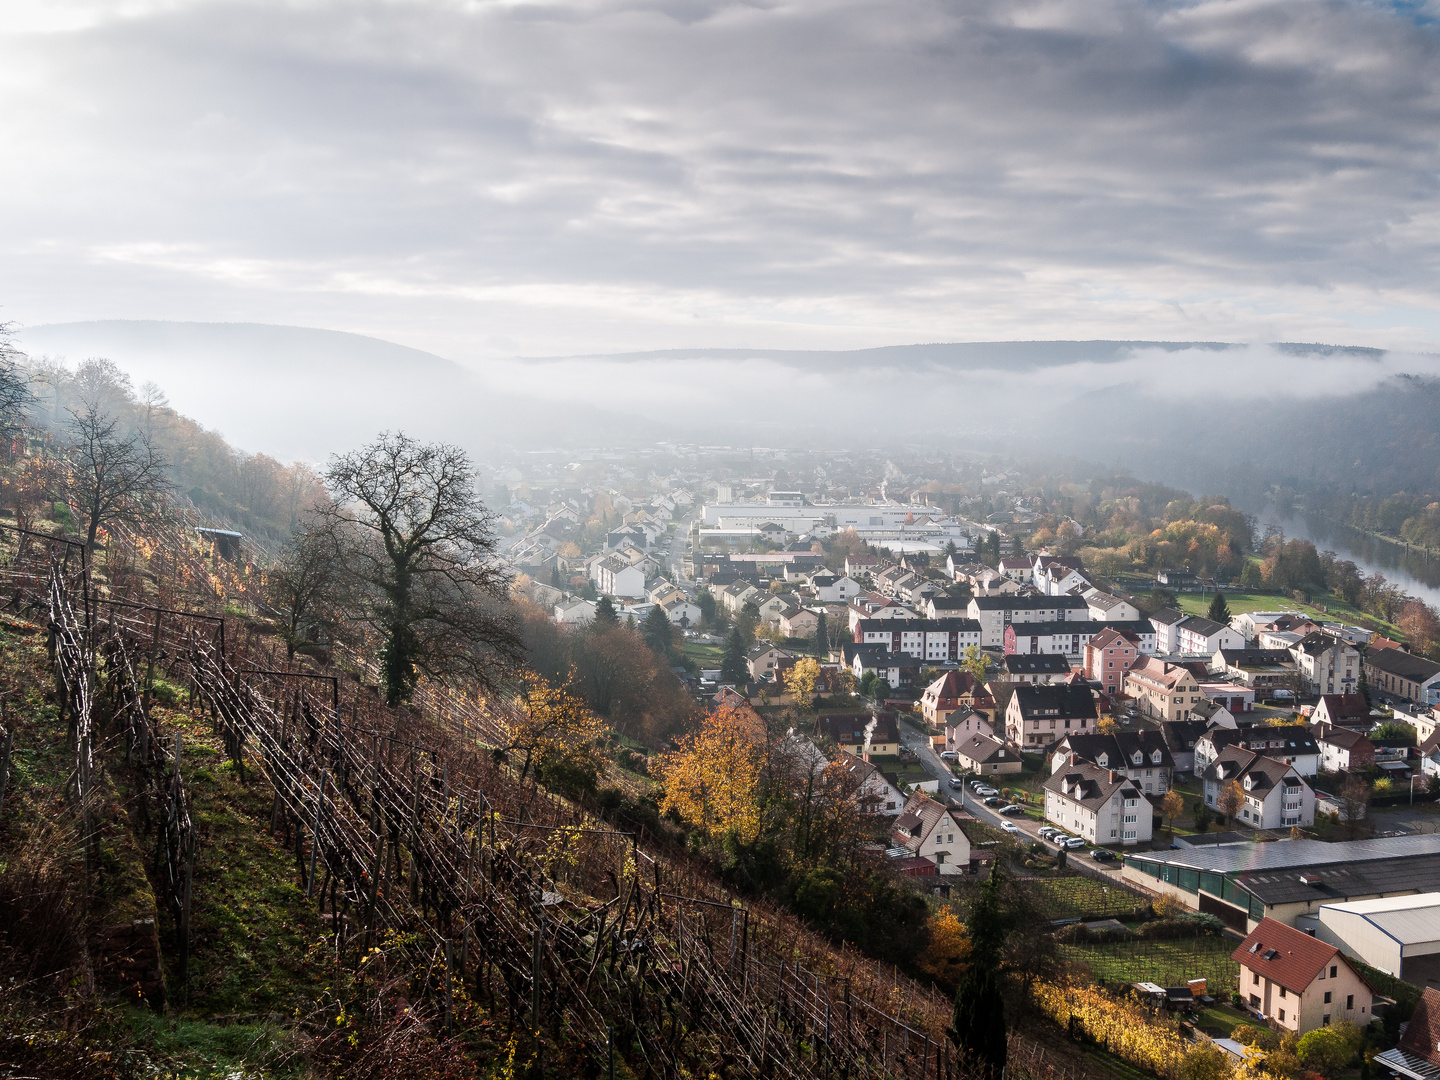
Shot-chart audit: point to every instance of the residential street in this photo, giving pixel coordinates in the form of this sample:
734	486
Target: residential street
967	800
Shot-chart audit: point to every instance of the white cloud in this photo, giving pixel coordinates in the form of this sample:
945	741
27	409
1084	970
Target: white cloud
581	175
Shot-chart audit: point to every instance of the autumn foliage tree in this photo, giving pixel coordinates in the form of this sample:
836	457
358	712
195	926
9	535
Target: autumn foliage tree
712	782
557	737
801	681
1230	799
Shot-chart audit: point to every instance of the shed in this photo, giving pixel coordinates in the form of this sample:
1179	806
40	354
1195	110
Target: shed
227	543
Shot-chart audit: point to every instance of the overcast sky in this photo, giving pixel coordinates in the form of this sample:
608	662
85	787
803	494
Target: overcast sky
487	179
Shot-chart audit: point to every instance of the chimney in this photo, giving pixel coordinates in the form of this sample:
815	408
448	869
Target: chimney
1114	776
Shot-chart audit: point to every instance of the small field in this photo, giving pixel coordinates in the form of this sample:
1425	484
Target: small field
1241	602
1168	963
1077	896
1222	1020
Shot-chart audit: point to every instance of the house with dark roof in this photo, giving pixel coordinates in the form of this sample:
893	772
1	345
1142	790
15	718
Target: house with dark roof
1035	668
896	670
1197	636
1342	748
1141	755
877	795
1344	710
1275	796
1163	690
1403	675
985	756
1181	736
1293	744
928	829
861	734
1167	638
1070	636
959	726
1100	805
1039	716
1299	983
1417	1055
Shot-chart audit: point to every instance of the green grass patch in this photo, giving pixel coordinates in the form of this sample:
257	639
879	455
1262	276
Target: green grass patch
1168	963
1225	1019
194	1049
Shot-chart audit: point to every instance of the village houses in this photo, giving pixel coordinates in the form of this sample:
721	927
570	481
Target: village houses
1100	805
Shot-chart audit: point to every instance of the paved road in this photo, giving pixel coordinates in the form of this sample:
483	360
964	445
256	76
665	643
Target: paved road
966	800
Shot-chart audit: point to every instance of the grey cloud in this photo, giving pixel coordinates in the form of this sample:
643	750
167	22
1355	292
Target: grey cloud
489	178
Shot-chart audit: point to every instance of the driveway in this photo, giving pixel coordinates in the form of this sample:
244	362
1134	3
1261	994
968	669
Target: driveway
967	800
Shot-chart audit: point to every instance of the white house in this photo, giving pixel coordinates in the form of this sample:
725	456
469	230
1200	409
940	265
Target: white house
575	612
1201	637
876	794
1330	664
1099	805
1276	796
831	588
931	830
681	611
1103	606
1293	744
934	640
616	577
995	613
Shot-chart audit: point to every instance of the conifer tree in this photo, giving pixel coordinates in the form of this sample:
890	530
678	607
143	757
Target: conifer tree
978	1028
658	632
605	616
822	640
733	668
1219	610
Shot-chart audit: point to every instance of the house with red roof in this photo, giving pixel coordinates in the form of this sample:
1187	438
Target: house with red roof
1300	983
931	830
1417	1056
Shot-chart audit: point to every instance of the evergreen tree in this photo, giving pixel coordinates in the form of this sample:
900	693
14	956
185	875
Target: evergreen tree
658	633
1219	610
1363	686
605	616
733	668
978	1028
995	546
555	575
822	640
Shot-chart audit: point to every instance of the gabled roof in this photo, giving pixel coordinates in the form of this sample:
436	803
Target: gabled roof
1063	700
1036	664
1287	956
1197	625
1422	1034
1403	664
848	729
1243	658
983	750
1345	706
1344	738
1119	748
1292	739
1110	636
1182	735
1090	785
919	819
1317	642
1167	617
1030	603
1237	763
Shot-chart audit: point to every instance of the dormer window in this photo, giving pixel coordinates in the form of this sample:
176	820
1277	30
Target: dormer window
1249	782
1155	757
1103	760
1139	757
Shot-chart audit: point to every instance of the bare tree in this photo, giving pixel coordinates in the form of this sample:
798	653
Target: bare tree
1354	801
301	587
15	396
418	548
110	479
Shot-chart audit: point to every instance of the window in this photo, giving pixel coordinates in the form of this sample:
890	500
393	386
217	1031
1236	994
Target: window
1282	991
1282	1015
1349	1002
1333	969
1255	978
1327	997
939	858
1255	999
1325	1020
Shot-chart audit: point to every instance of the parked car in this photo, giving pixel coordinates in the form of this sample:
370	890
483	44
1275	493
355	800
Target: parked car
1049	832
986	790
948	755
1013	808
956	782
993	800
1009	826
1071	843
1101	854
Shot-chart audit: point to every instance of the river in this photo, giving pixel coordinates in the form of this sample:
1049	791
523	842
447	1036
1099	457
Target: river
1411	571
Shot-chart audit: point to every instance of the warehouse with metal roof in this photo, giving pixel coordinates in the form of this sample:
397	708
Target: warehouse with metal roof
1285	879
1400	935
